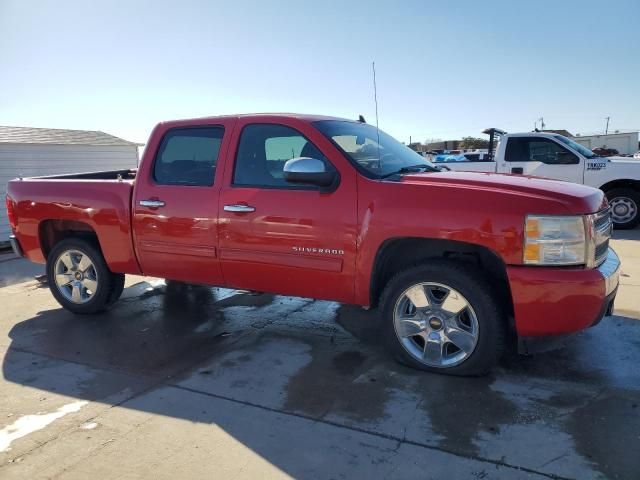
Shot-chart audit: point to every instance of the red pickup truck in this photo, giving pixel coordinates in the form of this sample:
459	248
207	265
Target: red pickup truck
459	263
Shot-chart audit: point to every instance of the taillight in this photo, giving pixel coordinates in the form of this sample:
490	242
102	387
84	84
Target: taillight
11	213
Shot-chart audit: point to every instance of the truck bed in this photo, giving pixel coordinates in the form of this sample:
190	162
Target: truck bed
98	203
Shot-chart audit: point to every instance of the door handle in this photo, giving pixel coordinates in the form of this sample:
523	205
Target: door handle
519	170
152	203
237	208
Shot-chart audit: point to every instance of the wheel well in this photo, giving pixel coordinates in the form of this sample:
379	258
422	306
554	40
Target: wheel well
51	232
625	183
399	254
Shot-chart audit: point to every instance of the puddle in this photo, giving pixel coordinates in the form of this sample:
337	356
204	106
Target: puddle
607	432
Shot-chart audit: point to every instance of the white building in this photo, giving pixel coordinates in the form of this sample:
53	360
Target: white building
45	151
623	142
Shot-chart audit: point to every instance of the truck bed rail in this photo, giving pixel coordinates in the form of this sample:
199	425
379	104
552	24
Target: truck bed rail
128	174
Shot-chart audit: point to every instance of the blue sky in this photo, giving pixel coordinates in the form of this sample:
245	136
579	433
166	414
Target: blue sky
445	69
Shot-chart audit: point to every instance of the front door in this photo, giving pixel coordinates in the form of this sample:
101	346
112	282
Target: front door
541	157
281	237
175	207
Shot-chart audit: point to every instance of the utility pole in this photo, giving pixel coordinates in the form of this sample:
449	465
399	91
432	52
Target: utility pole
606	130
541	123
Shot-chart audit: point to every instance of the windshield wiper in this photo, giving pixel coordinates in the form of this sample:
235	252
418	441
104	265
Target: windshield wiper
411	169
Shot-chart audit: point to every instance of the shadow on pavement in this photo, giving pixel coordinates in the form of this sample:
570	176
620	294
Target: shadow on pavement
208	353
626	234
16	270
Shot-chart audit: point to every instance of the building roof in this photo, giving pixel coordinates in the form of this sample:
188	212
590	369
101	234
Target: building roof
611	134
57	136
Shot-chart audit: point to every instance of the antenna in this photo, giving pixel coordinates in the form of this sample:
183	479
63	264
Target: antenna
375	99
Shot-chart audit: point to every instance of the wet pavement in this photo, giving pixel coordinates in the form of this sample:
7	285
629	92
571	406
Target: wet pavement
185	381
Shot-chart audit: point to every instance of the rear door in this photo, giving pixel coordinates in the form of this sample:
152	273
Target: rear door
281	237
175	205
541	157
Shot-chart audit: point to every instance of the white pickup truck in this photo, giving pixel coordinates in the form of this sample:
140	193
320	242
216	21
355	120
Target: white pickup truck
550	155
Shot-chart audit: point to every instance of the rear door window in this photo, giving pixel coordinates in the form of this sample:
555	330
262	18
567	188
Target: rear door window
188	156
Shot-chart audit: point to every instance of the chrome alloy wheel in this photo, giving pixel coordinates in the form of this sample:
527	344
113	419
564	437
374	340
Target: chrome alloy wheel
623	209
76	276
436	324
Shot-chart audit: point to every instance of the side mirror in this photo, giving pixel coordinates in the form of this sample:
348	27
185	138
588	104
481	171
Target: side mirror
309	170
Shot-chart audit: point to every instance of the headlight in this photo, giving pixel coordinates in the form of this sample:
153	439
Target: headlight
554	240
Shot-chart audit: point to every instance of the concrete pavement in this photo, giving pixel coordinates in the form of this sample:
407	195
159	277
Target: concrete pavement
198	382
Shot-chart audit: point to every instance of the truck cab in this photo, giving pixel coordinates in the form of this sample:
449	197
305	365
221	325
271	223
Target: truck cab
551	155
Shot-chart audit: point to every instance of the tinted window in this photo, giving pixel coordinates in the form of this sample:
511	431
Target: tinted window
531	149
188	156
263	151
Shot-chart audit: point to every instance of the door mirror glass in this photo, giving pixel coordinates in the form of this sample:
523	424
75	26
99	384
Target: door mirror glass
310	171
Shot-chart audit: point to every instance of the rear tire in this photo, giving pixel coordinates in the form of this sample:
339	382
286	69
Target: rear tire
625	207
117	288
79	278
456	327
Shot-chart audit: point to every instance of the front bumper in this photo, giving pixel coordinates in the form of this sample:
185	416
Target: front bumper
555	301
610	270
15	246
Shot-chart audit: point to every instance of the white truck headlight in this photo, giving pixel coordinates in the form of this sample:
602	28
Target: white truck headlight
550	240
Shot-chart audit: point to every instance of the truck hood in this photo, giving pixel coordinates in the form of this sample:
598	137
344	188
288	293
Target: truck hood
578	199
615	167
624	160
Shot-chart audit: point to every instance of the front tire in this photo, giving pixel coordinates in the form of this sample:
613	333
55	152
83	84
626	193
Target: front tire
625	207
441	317
79	278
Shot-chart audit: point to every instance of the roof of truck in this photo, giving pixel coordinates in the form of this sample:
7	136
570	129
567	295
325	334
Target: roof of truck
58	136
545	134
275	115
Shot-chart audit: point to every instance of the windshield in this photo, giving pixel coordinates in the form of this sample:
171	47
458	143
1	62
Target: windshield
582	150
359	141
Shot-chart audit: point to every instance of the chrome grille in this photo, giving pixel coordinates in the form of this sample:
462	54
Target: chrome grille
601	251
602	227
602	219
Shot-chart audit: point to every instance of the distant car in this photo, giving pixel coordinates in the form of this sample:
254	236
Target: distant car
636	155
605	152
477	157
448	157
466	157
